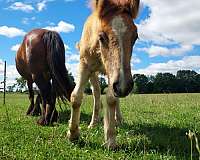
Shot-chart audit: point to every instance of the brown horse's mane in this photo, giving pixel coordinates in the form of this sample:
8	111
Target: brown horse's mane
104	7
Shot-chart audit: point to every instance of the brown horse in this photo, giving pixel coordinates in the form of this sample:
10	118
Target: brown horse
106	46
41	59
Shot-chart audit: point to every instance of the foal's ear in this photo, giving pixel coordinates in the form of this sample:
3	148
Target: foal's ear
134	8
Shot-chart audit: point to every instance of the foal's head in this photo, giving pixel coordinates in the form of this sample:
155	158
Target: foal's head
117	35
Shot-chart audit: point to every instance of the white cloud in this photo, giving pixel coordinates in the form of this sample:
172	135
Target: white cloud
72	58
69	0
27	20
171	22
73	68
21	6
135	59
11	31
187	63
11	74
41	5
156	50
67	48
15	47
62	27
1	66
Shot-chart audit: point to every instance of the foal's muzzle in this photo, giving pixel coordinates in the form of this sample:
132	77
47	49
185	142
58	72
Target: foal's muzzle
124	91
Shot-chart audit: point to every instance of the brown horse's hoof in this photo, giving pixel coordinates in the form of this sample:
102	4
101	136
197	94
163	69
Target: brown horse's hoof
35	113
54	117
29	111
42	122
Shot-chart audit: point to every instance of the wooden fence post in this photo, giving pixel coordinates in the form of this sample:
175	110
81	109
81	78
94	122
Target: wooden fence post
4	87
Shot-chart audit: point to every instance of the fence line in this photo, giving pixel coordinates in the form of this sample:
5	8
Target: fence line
4	84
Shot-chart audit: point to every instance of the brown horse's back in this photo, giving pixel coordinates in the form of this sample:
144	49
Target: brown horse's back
41	57
31	56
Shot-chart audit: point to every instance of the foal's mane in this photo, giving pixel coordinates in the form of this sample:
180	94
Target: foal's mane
103	7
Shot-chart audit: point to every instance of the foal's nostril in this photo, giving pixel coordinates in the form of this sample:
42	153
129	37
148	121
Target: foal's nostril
116	87
121	90
131	83
130	86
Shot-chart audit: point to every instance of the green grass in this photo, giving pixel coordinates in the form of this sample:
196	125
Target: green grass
154	127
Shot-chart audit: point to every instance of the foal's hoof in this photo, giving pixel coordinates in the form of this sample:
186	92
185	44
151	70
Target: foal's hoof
73	135
93	124
110	145
118	122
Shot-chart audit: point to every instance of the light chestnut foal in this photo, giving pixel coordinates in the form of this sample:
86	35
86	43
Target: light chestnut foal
105	47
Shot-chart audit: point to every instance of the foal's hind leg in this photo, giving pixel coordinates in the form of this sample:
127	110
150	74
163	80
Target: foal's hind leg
31	96
97	101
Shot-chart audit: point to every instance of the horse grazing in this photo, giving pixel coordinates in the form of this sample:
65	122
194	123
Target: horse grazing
106	46
41	59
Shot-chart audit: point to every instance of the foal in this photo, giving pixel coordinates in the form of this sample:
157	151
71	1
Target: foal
106	46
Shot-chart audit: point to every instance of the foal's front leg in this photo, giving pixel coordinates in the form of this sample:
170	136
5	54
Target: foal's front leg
76	100
118	115
94	80
109	120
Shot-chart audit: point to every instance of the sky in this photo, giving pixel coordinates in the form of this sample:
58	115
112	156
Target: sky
169	32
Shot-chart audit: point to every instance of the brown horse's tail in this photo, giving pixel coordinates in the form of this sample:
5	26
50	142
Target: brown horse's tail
63	84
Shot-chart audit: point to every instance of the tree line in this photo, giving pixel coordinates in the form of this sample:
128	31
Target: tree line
185	81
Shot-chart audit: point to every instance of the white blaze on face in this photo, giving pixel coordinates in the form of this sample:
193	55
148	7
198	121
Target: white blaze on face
119	28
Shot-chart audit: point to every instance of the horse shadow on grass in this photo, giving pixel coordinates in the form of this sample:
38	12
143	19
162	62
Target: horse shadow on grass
64	117
159	138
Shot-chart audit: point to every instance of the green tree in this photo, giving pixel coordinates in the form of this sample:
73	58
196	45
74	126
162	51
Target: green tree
103	84
88	89
140	83
165	83
21	84
187	81
11	88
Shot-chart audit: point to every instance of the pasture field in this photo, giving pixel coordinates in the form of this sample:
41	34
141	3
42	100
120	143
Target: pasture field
154	128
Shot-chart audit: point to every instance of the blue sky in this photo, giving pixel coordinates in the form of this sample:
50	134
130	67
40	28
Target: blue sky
169	36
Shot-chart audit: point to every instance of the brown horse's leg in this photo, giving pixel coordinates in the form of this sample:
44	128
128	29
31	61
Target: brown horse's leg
109	120
49	114
97	101
37	110
42	121
76	100
31	97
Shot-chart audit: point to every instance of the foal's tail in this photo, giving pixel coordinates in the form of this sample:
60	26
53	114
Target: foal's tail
61	81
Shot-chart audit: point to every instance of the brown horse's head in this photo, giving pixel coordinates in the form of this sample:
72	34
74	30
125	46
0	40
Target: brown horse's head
117	35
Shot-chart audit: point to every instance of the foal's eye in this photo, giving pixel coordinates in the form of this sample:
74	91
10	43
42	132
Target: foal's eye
103	38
